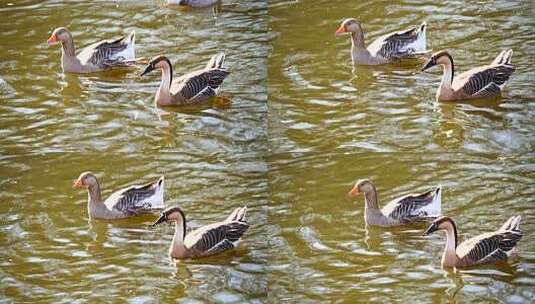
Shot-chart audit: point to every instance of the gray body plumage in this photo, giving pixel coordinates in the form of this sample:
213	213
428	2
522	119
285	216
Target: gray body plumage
106	54
485	248
191	88
491	247
206	240
481	82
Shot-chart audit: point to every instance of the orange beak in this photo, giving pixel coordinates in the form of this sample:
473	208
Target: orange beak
354	192
77	184
53	39
340	31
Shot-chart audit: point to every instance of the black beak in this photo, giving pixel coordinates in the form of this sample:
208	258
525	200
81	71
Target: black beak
147	70
430	63
161	219
430	230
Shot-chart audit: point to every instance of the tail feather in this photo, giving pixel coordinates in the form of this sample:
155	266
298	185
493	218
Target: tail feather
158	201
216	62
423	27
132	37
437	200
237	214
504	57
512	224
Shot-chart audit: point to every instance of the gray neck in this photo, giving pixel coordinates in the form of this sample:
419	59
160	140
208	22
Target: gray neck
370	198
357	40
94	196
359	53
163	95
95	206
372	213
69	61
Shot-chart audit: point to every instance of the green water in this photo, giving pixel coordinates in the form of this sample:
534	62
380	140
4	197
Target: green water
300	129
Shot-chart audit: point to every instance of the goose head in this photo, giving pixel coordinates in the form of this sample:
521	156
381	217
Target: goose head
438	58
60	34
349	25
158	62
85	180
170	214
361	186
441	223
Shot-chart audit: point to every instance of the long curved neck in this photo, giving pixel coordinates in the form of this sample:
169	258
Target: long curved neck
357	39
372	213
68	48
177	244
95	207
163	95
68	55
449	257
370	197
448	70
359	53
94	196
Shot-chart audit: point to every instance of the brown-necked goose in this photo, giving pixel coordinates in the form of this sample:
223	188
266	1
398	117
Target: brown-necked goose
206	240
388	48
123	203
194	3
404	210
194	87
481	82
490	247
96	57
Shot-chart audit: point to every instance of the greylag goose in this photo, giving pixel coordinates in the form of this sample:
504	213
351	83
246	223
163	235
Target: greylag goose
194	87
193	3
388	48
123	203
206	240
481	82
99	56
490	247
404	210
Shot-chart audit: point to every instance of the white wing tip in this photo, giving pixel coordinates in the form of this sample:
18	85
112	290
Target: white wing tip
423	27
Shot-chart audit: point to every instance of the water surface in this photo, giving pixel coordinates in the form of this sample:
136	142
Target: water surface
55	126
329	127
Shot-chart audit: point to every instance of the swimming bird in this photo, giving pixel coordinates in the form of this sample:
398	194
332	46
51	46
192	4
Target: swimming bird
490	247
123	203
388	48
194	3
206	240
99	56
481	82
404	210
194	87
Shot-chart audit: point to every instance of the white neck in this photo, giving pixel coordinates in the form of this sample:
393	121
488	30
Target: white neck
449	257
163	95
447	77
177	245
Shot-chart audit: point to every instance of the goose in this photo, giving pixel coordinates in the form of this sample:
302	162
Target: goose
490	247
194	87
404	210
123	203
481	82
193	3
206	240
99	56
388	48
